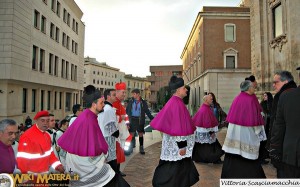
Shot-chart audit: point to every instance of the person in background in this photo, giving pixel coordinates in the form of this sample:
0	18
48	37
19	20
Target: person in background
77	110
218	112
283	81
63	126
28	123
33	145
122	119
175	167
266	105
207	148
244	134
108	125
136	110
52	131
8	134
87	153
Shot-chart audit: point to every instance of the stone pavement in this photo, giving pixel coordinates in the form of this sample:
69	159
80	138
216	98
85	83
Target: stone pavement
140	168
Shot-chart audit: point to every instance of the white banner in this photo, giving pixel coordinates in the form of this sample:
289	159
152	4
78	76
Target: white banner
259	182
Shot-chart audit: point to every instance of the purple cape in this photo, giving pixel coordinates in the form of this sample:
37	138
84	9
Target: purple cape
205	117
174	119
245	111
84	137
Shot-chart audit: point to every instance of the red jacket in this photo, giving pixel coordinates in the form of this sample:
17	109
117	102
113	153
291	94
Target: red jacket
120	111
35	154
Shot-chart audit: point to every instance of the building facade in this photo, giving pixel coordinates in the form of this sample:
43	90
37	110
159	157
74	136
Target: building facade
41	57
275	39
101	75
159	78
216	56
141	83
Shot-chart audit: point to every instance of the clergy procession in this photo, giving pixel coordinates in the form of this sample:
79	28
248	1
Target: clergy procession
93	143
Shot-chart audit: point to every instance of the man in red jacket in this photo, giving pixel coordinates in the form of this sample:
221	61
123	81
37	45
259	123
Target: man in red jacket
35	154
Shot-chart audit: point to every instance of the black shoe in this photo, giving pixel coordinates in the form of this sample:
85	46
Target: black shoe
142	151
122	174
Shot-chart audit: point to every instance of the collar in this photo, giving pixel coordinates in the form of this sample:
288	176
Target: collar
108	103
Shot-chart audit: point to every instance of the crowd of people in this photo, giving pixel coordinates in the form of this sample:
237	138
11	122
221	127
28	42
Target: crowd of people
94	141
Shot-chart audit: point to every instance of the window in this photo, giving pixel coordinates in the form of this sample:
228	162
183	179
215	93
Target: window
230	35
64	39
277	21
65	15
57	34
58	9
48	100
230	58
68	42
55	100
42	60
73	25
51	58
24	99
53	3
76	28
56	66
33	97
230	62
42	99
68	19
52	27
75	73
72	72
73	46
67	70
68	102
34	57
36	19
62	68
60	100
43	24
76	48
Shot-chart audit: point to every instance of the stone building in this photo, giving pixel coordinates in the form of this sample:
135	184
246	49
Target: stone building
140	83
216	56
101	75
41	57
159	78
275	39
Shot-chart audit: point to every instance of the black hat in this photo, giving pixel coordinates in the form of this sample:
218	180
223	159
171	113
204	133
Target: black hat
298	68
251	78
90	94
175	82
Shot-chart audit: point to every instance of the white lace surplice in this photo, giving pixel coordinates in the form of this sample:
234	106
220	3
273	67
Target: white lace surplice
202	135
170	149
244	141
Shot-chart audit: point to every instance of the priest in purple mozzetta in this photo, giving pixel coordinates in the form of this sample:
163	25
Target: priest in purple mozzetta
175	167
207	148
86	147
244	134
8	135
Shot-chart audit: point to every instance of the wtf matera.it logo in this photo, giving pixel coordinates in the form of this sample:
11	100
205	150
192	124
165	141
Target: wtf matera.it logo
6	180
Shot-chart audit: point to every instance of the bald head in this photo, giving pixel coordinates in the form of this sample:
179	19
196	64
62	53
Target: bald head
207	99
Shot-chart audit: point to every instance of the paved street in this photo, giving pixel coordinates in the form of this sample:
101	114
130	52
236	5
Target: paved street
140	168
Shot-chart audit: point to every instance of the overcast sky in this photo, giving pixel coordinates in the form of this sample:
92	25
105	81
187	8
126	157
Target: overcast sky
134	34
